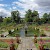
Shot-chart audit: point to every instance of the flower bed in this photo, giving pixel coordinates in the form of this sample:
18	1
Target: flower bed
43	44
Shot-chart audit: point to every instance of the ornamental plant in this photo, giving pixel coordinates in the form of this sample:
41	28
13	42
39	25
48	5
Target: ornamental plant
35	40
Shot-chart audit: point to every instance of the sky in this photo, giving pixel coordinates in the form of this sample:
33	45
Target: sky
6	6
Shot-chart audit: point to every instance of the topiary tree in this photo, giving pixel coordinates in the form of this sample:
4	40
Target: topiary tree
10	32
35	40
18	40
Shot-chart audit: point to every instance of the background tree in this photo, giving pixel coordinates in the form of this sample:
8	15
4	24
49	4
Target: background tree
28	16
35	16
49	18
31	16
1	19
7	20
15	16
45	17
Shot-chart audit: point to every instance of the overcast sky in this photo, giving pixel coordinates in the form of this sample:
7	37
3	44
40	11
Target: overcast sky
6	6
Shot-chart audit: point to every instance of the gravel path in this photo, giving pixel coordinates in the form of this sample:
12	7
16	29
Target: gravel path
47	33
26	43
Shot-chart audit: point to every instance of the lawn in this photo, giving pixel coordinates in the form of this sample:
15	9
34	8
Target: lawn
3	44
15	33
31	31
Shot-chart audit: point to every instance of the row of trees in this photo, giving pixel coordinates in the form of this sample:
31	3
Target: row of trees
30	17
33	16
15	17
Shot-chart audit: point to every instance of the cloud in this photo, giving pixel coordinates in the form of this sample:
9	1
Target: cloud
43	2
4	12
14	7
22	6
25	5
41	6
3	5
44	6
1	0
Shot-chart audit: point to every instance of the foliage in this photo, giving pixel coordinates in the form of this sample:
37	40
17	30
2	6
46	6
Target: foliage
35	40
15	16
7	20
43	35
14	33
3	44
31	16
1	19
47	45
10	32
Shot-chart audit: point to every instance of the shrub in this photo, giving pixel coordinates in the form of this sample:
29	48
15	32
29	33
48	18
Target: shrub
35	40
35	35
43	35
2	35
25	31
10	32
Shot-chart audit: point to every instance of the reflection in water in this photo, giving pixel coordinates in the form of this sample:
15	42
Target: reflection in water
22	32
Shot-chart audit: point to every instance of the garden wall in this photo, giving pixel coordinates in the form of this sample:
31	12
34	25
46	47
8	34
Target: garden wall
8	40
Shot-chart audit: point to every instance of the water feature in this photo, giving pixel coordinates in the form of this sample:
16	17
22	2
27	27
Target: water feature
22	32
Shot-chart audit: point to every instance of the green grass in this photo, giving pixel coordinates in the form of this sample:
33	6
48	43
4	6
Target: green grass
1	31
3	45
14	33
16	45
37	45
47	45
31	31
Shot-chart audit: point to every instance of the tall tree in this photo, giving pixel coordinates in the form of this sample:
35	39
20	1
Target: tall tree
45	15
15	16
31	16
35	15
28	15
